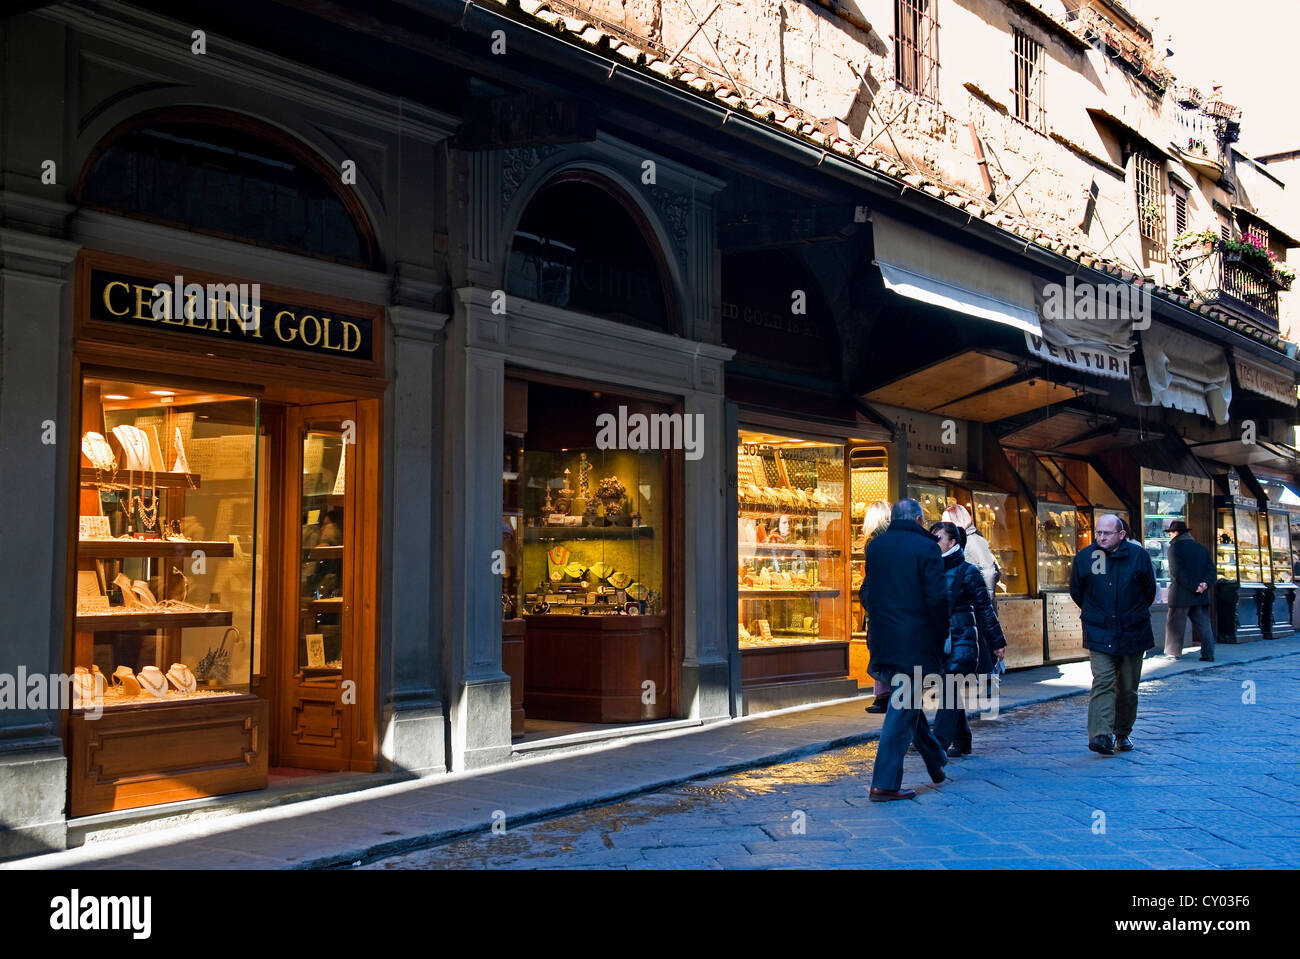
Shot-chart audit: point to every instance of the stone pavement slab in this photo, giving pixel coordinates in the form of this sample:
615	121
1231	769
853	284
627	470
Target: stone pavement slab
1021	761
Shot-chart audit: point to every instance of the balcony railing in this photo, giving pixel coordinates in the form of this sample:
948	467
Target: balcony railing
1234	283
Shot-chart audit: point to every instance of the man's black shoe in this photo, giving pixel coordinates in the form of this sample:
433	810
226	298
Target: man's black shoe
956	752
1207	659
1123	744
1102	744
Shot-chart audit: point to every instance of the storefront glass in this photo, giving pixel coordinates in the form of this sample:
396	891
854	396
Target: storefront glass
1160	505
1243	552
593	536
792	539
166	556
997	518
1280	546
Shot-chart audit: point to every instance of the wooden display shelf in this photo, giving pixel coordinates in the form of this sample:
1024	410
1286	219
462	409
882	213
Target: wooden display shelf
166	752
592	668
130	548
104	622
752	510
548	534
786	549
805	662
93	477
325	552
815	591
332	605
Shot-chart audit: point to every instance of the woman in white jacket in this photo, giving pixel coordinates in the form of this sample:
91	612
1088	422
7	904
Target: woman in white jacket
977	549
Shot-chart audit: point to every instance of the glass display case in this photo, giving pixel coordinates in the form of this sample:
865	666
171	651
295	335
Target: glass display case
1242	551
1057	543
592	539
997	518
1279	539
934	498
791	542
1160	505
167	544
868	511
512	523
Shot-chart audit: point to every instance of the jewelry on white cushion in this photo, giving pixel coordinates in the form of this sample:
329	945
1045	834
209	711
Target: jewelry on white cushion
98	451
182	678
153	681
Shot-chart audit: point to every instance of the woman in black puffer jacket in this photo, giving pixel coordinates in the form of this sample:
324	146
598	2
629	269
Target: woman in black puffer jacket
974	633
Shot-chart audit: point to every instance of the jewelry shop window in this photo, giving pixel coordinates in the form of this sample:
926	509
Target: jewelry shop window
594	517
792	539
167	546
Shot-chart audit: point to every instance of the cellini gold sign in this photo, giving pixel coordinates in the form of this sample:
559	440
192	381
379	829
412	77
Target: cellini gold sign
227	311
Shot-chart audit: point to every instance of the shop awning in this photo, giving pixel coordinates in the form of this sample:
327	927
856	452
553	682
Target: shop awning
1260	453
949	379
1053	432
1183	373
925	267
1264	378
1007	400
1087	326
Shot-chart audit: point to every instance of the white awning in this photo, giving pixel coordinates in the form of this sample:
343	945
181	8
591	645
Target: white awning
1183	373
925	267
1088	326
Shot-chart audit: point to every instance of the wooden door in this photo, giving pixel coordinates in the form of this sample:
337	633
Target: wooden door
320	649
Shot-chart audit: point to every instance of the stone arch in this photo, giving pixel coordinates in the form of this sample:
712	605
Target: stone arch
633	227
290	197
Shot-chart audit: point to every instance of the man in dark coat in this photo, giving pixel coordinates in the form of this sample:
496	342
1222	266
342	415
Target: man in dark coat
907	606
1191	578
1113	584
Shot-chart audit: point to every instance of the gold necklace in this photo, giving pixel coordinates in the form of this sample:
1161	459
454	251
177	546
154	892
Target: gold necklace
149	516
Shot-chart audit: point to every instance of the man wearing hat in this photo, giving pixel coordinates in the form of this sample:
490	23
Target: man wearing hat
1191	576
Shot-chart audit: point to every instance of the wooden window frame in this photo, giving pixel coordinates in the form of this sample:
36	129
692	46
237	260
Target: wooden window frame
916	47
1029	62
1152	215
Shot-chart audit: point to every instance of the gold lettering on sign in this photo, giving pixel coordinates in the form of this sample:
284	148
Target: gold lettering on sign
108	304
302	329
355	339
280	333
143	308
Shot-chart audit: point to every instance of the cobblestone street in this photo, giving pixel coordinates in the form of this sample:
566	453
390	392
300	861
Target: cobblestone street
1212	783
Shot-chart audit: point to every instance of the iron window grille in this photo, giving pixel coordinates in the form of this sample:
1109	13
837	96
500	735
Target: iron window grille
1029	89
1259	234
1150	198
916	47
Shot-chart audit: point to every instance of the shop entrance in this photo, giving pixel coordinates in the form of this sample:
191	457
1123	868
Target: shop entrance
325	623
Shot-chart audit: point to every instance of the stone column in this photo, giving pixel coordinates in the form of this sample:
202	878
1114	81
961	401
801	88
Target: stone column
706	681
36	439
478	689
414	738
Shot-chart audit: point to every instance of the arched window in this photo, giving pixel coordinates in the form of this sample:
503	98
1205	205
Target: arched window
228	175
582	246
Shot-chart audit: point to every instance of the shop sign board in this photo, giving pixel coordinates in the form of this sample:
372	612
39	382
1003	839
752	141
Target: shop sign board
1085	358
1274	384
228	312
931	440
